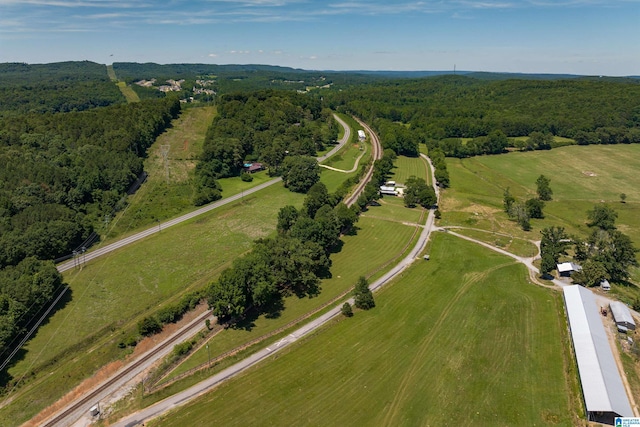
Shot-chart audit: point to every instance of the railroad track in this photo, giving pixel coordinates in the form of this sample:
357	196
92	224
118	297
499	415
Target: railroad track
376	155
95	395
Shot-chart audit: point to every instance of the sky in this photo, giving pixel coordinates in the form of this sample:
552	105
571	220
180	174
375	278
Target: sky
588	37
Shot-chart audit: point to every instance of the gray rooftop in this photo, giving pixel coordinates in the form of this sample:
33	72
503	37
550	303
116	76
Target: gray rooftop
622	314
601	382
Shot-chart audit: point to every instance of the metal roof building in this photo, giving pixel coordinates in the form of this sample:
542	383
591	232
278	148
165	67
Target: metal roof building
566	268
622	315
604	394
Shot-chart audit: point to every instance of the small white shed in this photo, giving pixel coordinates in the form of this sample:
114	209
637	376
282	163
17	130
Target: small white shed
605	285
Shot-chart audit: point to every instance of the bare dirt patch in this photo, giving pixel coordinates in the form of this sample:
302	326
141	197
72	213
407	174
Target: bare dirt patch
589	173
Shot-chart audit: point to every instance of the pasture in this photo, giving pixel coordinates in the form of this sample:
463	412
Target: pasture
463	339
377	243
581	176
409	166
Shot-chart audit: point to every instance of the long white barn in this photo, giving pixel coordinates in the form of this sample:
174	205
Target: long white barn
604	394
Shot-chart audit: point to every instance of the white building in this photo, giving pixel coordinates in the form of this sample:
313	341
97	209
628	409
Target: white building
604	394
361	135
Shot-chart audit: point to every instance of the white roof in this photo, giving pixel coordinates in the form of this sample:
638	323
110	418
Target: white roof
568	266
601	382
387	188
621	313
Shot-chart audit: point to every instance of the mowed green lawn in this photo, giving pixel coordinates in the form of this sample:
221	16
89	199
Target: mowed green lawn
409	166
460	340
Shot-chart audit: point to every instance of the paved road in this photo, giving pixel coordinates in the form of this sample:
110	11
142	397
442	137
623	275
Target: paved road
208	384
88	256
151	356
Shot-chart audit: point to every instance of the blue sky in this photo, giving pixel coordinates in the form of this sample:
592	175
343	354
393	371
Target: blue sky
596	37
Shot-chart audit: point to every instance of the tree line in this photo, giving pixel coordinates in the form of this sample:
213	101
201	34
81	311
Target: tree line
55	88
291	263
439	111
60	174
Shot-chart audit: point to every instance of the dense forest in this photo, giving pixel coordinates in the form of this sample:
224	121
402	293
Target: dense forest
61	173
53	88
264	126
441	110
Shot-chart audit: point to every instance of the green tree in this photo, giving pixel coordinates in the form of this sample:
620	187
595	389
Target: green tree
534	208
602	217
521	215
547	264
442	177
554	242
418	192
317	196
287	216
508	200
540	141
299	173
362	295
346	217
623	198
543	188
615	251
593	272
148	326
346	310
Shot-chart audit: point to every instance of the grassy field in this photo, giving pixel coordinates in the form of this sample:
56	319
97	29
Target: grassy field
408	166
161	198
516	246
112	293
580	178
460	340
361	255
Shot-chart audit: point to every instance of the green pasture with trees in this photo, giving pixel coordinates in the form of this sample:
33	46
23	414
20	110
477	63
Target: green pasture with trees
582	180
470	336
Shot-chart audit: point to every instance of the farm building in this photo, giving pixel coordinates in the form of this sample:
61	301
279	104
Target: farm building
361	135
386	190
622	315
565	269
604	394
253	167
